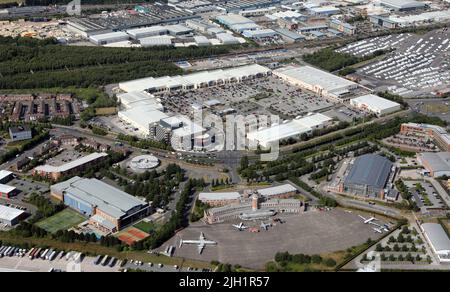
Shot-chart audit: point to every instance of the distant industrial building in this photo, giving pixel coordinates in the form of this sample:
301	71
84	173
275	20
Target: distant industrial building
109	209
6	191
324	10
10	216
220	199
438	240
5	176
375	104
20	133
318	81
289	36
438	134
279	192
107	38
342	26
292	129
56	172
236	22
436	164
368	176
195	80
259	33
236	6
402	5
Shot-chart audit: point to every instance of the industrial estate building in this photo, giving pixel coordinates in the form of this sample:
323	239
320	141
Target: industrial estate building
108	208
318	81
20	133
369	176
438	240
435	164
56	172
10	216
438	134
195	80
402	5
220	199
292	129
6	191
375	104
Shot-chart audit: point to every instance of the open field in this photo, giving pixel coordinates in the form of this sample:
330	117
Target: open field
63	220
313	232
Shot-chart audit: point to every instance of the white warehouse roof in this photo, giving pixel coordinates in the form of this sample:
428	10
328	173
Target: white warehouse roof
273	191
9	214
375	103
402	4
218	196
437	237
315	78
109	36
4	174
72	164
5	189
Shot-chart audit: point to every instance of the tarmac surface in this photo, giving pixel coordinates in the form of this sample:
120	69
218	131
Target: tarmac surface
314	232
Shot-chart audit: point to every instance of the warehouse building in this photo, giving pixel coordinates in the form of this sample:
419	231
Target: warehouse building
279	192
292	129
368	176
107	38
195	80
219	199
5	176
402	5
143	32
108	207
10	216
375	104
289	36
320	82
6	191
342	26
227	39
438	239
259	33
236	22
324	10
438	134
20	133
73	167
156	41
435	164
141	117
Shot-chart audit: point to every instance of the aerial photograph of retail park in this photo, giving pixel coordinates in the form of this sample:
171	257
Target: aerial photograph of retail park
224	136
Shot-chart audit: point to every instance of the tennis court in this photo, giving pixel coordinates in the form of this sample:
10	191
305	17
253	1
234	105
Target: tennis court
63	220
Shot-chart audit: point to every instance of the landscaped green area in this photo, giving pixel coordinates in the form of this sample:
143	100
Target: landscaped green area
31	63
63	220
147	227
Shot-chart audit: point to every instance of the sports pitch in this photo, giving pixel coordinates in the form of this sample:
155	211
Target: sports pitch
63	220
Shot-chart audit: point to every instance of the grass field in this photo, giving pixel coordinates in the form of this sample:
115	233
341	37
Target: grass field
147	227
63	220
106	111
436	108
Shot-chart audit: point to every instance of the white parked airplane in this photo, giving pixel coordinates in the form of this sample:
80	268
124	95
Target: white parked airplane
240	227
367	220
201	242
265	226
377	230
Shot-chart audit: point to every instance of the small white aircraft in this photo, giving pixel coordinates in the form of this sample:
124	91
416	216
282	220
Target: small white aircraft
240	227
265	226
366	221
201	242
377	230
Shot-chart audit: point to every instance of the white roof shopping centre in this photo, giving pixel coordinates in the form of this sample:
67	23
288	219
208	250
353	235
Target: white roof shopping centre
438	239
293	128
318	81
194	80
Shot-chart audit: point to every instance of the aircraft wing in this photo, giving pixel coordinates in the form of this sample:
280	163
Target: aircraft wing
200	248
202	236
